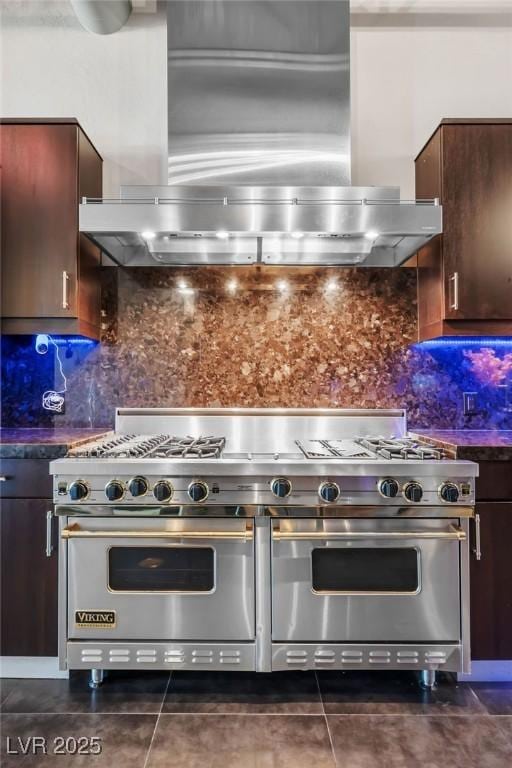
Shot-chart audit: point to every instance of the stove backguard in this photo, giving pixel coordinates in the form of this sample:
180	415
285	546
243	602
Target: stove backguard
260	430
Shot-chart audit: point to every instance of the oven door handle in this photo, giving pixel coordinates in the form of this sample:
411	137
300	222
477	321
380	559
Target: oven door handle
452	534
75	532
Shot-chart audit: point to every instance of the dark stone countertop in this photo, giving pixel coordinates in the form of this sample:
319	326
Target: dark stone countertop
471	444
25	443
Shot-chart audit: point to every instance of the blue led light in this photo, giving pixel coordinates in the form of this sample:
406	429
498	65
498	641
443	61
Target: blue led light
42	367
466	341
489	671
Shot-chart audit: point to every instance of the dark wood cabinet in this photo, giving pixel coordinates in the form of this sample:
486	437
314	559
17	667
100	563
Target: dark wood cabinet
491	584
465	275
29	574
491	576
50	274
29	580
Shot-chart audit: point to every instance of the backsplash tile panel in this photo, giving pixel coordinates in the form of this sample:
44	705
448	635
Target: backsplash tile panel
253	337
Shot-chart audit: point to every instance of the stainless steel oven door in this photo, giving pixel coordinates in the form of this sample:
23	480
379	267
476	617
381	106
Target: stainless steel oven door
366	580
147	579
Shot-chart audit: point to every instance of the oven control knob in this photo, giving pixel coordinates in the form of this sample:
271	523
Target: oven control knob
78	491
388	488
198	491
413	492
114	490
281	487
329	492
163	490
449	492
138	486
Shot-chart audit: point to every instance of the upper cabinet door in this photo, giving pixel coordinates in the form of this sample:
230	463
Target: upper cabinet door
39	211
428	170
477	221
429	259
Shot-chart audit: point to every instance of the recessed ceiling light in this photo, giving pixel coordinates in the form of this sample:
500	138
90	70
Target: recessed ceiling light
371	235
297	235
222	234
148	235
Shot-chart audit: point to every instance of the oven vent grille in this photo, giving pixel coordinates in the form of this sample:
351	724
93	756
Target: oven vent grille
174	657
119	655
146	656
325	657
341	657
186	655
407	657
92	655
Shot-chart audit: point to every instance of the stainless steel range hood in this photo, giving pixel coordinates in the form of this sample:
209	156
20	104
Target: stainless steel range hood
259	150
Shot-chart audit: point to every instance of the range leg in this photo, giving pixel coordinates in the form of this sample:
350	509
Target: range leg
428	678
96	678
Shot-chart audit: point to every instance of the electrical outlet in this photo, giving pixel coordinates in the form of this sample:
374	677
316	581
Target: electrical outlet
470	401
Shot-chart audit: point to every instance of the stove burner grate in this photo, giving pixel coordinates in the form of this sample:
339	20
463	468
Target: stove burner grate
151	446
401	448
190	448
333	449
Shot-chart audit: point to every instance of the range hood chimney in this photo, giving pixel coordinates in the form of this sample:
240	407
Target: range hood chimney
259	150
259	92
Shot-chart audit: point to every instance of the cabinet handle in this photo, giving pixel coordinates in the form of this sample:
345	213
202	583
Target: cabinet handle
477	549
49	545
454	280
65	282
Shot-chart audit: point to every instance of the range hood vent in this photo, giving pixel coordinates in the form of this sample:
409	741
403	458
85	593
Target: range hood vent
344	226
259	150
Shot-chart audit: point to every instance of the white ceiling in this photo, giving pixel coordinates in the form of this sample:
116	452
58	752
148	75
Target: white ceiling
430	6
62	8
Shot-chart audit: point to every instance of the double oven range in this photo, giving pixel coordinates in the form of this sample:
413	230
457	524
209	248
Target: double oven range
285	539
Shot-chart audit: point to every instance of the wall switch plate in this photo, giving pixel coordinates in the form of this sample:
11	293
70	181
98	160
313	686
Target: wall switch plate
470	401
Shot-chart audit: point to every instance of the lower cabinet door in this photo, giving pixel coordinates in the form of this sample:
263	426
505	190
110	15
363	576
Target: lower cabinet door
29	579
491	584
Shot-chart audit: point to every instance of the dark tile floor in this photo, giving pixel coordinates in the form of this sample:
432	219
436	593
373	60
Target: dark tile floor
299	720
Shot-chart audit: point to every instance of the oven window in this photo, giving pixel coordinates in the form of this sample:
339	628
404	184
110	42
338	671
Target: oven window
376	569
161	569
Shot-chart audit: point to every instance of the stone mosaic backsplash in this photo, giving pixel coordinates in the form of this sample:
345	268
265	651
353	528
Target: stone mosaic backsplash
263	336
